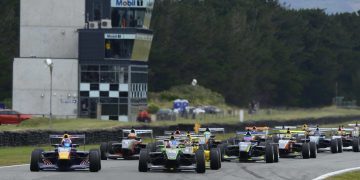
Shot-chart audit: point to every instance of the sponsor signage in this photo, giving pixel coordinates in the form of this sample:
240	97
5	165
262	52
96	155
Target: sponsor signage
119	36
143	37
132	3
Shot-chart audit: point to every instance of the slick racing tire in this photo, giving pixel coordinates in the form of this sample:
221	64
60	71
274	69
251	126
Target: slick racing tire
143	160
334	146
214	159
305	150
340	145
313	150
94	160
151	147
200	161
276	153
355	144
219	152
110	148
269	153
99	152
103	150
35	159
222	148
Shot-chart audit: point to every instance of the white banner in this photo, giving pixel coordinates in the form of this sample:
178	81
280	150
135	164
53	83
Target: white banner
132	3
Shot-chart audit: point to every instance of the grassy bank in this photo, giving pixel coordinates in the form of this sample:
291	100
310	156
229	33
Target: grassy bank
83	124
346	176
21	155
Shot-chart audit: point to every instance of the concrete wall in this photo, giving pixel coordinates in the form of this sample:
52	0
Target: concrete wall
48	28
31	86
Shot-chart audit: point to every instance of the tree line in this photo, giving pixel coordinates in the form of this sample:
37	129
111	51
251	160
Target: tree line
256	50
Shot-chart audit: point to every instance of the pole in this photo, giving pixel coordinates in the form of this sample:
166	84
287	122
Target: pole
50	115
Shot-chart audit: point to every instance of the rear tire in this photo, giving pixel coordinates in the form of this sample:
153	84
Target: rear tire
200	161
333	146
218	149
276	153
222	148
355	144
35	159
214	159
269	154
94	159
110	149
143	160
340	145
305	151
313	150
103	150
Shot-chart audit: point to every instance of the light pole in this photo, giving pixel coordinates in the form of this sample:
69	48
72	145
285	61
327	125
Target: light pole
50	64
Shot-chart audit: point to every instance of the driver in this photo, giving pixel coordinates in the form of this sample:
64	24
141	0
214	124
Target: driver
207	134
317	131
132	134
66	141
288	133
177	132
173	142
247	136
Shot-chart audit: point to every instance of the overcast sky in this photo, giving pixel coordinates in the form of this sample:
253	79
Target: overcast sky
330	6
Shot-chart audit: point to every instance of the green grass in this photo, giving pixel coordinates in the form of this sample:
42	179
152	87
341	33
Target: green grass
21	155
346	176
84	124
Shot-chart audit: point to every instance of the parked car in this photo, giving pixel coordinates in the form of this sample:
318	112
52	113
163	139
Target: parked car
212	110
166	114
8	116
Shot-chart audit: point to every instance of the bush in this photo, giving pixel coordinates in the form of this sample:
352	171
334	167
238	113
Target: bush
153	109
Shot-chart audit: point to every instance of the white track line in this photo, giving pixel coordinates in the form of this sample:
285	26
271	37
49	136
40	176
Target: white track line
14	166
336	173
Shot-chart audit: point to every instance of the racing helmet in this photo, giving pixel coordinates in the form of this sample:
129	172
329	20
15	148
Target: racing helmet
132	130
66	142
207	129
65	136
177	132
248	133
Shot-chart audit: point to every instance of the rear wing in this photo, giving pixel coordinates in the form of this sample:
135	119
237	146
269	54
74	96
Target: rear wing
138	131
77	138
213	130
284	127
182	133
252	133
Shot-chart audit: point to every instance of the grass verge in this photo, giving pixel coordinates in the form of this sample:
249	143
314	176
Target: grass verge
279	115
346	176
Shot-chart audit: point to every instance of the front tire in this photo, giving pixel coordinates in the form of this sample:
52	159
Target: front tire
276	153
355	144
313	150
269	154
305	151
35	159
143	160
94	159
340	145
200	161
334	146
103	150
214	159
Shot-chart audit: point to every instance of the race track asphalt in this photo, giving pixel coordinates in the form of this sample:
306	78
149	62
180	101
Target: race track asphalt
286	169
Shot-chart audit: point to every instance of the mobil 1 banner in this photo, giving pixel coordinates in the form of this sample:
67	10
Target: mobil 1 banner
132	3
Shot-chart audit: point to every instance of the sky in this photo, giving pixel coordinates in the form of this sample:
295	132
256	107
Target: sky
330	6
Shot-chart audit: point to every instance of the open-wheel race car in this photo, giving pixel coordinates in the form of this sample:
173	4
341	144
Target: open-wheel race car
128	147
172	154
251	146
336	139
65	155
295	143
